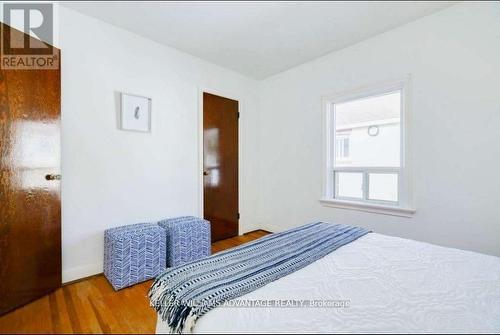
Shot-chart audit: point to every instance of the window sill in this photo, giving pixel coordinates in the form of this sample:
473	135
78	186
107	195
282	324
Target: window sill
367	207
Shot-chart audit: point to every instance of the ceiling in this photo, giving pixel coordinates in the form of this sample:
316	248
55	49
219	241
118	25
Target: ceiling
258	39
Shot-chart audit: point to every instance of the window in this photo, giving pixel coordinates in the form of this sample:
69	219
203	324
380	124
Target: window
342	146
366	150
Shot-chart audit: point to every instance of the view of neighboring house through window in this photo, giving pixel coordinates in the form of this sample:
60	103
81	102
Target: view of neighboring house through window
367	149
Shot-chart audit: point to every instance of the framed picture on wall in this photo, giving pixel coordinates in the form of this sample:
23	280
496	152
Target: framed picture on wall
135	113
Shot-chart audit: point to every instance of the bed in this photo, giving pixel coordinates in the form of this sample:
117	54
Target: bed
376	283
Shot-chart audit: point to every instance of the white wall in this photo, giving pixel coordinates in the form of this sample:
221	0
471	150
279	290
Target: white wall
453	57
113	177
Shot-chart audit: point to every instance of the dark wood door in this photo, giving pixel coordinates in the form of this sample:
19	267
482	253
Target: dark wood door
220	163
30	227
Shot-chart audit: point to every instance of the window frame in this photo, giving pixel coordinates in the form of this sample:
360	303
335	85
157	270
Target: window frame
403	207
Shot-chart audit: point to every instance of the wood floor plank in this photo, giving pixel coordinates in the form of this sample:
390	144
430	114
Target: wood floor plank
64	325
70	307
80	296
54	313
109	317
93	306
103	324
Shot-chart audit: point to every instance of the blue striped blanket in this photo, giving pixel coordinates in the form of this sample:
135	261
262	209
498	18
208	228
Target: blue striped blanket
183	294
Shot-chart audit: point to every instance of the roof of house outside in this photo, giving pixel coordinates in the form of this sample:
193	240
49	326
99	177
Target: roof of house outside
372	110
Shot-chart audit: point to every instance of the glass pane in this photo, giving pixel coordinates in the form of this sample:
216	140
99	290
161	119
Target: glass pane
383	186
349	184
370	127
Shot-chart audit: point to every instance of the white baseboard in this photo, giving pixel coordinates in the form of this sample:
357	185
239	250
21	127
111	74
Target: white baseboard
71	274
247	230
269	228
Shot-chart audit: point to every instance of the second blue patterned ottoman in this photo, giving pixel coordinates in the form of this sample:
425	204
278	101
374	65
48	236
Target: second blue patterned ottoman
188	239
133	254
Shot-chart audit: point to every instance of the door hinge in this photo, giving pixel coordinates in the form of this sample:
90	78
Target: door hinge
238	115
238	216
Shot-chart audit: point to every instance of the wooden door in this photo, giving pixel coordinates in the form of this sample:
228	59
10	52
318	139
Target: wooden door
220	165
30	227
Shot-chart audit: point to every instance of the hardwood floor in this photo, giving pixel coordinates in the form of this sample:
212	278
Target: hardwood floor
92	306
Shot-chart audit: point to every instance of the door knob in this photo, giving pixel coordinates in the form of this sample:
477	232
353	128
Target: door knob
205	172
53	177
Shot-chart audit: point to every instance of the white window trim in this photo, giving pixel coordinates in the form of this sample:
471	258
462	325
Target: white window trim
404	207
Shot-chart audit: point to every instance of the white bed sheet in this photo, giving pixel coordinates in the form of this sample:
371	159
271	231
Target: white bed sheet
393	285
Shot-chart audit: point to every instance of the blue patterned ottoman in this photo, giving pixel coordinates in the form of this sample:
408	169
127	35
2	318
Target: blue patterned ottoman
133	254
188	239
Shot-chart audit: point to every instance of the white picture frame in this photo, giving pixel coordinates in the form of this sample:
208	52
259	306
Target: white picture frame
135	113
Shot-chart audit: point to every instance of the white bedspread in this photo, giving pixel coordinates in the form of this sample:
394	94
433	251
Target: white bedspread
393	285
